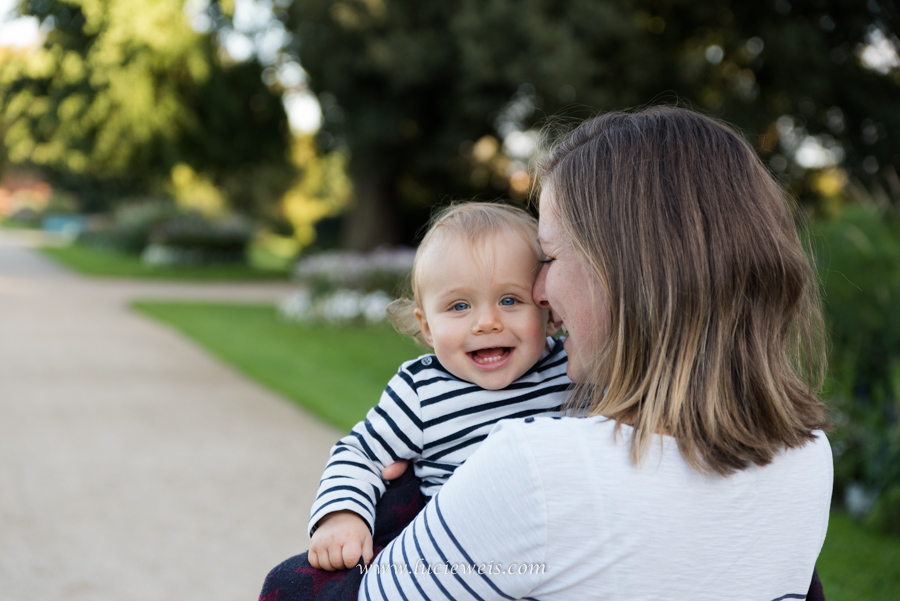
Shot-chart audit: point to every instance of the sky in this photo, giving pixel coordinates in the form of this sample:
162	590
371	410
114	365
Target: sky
16	32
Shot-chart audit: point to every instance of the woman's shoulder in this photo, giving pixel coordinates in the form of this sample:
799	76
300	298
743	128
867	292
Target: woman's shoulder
554	427
814	459
545	438
599	428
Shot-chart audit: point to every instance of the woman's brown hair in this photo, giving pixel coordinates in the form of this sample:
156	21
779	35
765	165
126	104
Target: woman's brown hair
716	332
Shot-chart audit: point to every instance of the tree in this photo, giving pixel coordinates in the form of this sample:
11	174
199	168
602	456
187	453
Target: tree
418	91
122	91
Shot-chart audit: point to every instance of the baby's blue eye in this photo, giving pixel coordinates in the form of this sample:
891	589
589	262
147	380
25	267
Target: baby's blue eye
460	306
508	301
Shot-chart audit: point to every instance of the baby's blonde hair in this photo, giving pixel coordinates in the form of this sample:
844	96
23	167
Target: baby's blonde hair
473	220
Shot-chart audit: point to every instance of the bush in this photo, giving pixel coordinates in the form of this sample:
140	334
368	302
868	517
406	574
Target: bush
164	234
131	225
857	255
26	218
61	204
192	240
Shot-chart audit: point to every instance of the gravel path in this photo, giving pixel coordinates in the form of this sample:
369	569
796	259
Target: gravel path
132	465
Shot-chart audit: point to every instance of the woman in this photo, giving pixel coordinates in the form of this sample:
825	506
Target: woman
694	335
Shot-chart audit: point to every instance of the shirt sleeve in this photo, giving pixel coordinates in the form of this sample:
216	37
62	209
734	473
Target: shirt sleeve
483	536
391	431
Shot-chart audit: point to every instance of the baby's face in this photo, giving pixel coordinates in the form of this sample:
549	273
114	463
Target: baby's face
477	310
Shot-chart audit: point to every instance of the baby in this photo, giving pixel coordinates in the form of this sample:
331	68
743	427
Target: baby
471	281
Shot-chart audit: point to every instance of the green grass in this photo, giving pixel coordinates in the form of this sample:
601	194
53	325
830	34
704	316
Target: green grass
95	262
857	564
339	373
336	373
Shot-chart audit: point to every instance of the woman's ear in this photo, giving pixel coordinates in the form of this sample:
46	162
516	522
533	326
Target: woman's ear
423	327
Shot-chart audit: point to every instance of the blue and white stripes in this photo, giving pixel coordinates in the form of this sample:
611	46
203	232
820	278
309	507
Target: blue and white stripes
428	562
435	419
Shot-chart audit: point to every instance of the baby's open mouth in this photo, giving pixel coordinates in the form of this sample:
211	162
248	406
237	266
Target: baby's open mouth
486	356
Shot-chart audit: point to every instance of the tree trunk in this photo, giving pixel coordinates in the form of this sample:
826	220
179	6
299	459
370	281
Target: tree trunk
373	220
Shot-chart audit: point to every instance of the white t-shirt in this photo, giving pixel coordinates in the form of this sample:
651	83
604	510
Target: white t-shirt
562	498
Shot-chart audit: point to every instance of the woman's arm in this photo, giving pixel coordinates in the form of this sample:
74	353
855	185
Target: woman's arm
483	536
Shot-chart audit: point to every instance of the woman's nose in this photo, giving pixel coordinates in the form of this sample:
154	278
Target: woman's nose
539	292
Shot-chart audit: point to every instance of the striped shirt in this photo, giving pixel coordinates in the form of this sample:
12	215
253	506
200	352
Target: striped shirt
435	419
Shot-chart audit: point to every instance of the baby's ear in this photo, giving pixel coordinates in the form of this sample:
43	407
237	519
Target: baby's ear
552	328
423	327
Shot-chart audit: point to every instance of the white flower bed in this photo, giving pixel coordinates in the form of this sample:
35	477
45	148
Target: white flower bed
346	287
354	270
341	306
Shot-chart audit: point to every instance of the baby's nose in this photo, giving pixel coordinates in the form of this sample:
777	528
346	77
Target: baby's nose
488	321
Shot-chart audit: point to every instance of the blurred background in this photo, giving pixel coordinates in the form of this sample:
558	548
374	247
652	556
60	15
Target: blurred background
293	138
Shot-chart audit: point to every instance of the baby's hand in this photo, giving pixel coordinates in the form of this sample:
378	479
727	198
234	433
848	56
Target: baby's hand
339	541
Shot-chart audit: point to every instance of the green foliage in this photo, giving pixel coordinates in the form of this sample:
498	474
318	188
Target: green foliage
124	90
858	258
130	226
307	364
856	563
163	233
321	189
411	88
57	204
23	219
222	240
62	204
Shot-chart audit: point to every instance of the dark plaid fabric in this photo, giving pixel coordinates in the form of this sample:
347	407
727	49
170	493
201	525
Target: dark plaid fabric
296	580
